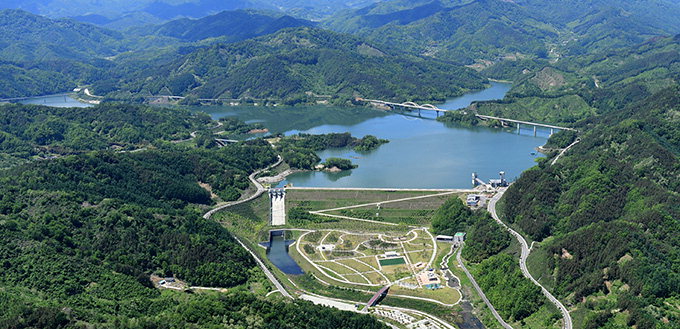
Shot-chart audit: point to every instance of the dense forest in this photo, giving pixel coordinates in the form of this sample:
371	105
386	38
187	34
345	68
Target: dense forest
39	132
81	235
484	32
298	65
611	203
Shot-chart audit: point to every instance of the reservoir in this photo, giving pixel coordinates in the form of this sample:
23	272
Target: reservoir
422	153
63	100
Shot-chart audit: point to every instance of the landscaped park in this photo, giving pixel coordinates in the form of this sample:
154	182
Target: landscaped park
352	243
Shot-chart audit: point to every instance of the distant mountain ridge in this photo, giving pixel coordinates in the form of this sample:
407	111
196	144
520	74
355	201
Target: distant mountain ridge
28	37
469	31
231	25
294	64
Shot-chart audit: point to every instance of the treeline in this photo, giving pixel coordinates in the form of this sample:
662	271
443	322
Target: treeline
28	131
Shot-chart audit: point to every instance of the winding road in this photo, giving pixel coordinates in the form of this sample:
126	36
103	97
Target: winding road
260	191
523	260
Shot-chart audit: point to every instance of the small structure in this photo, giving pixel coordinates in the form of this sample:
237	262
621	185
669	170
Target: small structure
429	280
444	238
459	238
501	182
472	200
326	247
389	254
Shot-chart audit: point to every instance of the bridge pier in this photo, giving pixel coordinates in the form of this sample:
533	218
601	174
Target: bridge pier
518	130
535	131
552	130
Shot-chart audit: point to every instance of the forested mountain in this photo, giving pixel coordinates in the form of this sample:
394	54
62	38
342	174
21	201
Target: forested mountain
28	37
40	56
295	65
40	132
81	236
470	31
122	14
230	25
610	205
483	29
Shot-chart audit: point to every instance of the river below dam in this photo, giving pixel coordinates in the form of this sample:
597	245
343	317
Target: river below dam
422	152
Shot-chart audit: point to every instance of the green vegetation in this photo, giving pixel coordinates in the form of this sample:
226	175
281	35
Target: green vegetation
392	261
227	26
82	234
610	204
509	291
31	131
342	164
369	143
468	31
297	66
300	150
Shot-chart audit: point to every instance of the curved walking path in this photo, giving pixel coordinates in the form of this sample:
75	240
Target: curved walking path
523	260
480	292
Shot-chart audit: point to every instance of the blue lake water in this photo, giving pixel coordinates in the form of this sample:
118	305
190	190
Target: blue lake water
55	101
422	153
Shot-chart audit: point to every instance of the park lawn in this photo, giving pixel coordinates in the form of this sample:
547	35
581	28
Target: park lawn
330	238
370	260
330	271
359	279
342	254
445	295
326	199
356	265
314	237
316	256
396	272
420	256
375	277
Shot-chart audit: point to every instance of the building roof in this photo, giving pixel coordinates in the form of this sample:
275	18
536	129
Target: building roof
460	234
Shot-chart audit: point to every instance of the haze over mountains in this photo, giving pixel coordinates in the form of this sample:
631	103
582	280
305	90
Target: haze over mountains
124	13
605	218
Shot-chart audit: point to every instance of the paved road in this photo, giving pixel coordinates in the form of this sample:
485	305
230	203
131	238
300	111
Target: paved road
481	293
564	151
266	271
523	261
260	190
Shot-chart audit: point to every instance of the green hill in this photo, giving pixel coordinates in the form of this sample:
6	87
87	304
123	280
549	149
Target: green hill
488	31
297	65
230	25
28	37
607	211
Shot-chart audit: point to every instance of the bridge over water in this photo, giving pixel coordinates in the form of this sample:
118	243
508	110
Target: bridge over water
430	107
